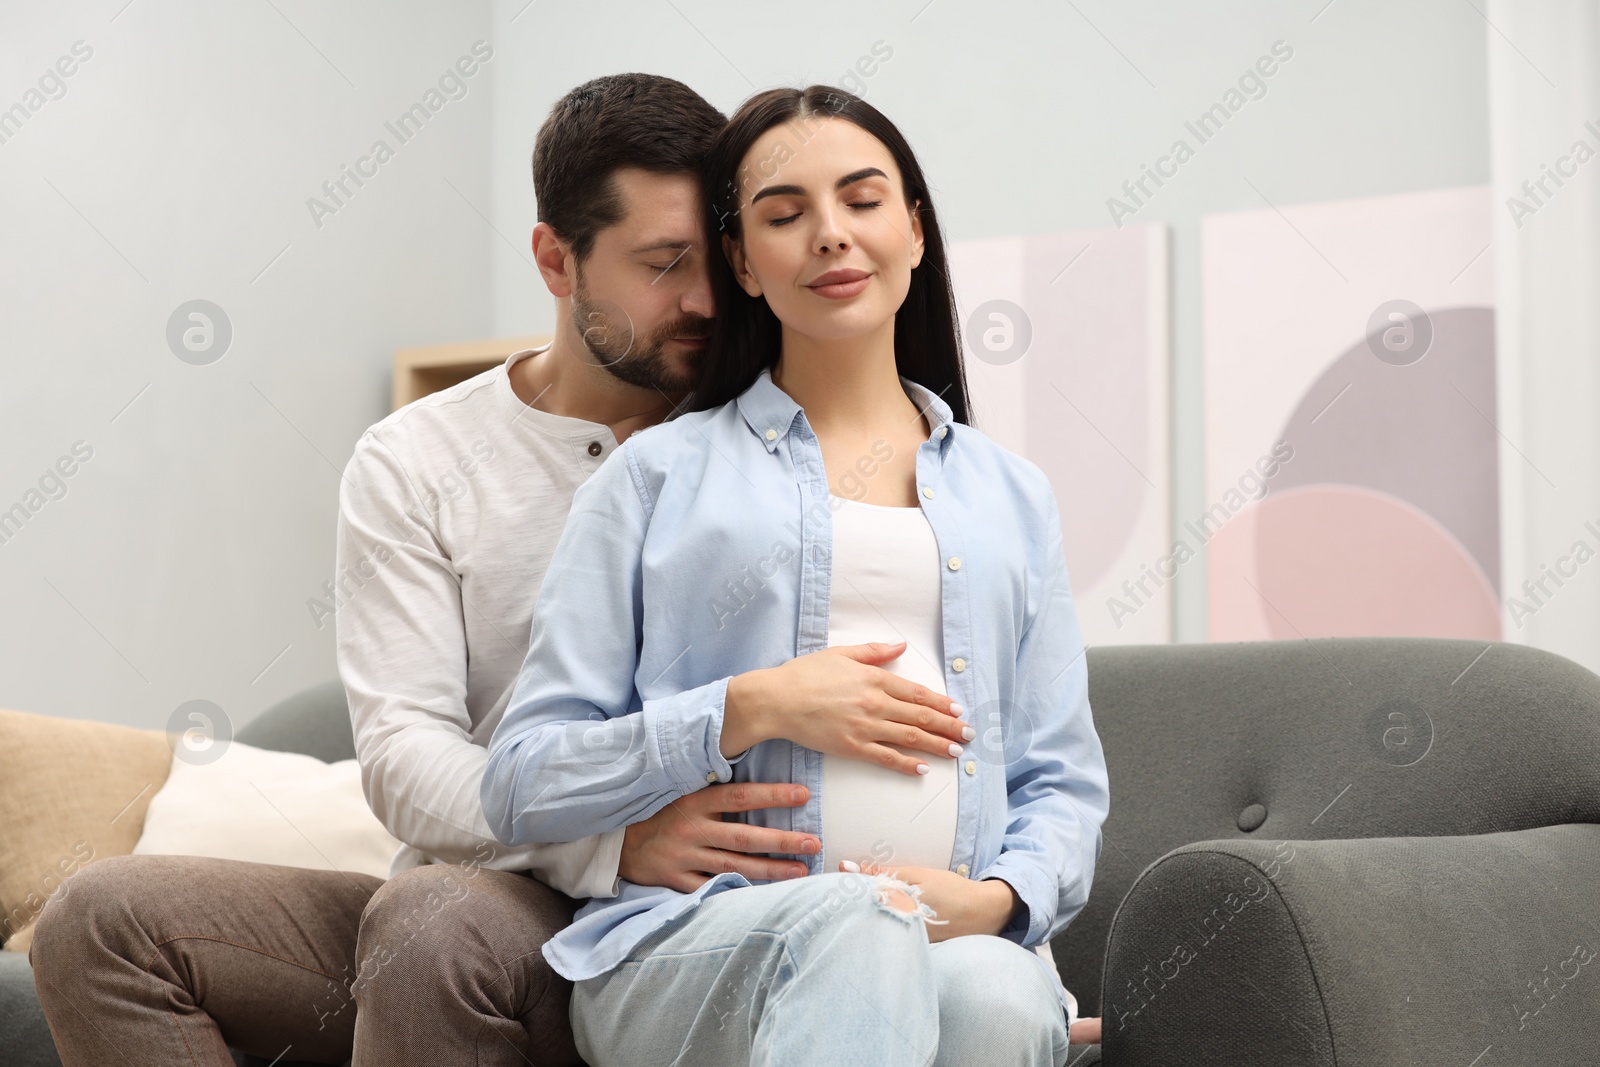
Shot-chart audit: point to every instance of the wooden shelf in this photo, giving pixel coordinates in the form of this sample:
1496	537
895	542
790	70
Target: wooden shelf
420	371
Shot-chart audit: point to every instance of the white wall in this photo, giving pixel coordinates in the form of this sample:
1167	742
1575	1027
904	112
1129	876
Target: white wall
1028	116
177	165
1545	75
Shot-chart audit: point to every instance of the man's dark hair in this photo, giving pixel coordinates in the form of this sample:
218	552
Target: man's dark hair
619	120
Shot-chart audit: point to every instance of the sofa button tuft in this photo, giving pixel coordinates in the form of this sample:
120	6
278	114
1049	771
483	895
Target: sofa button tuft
1252	817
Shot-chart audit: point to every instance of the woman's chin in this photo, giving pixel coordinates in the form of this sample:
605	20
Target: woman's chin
842	325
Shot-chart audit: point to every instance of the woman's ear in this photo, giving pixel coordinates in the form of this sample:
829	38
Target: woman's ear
741	269
916	233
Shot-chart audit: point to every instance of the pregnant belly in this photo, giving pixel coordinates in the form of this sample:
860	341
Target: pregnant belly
871	814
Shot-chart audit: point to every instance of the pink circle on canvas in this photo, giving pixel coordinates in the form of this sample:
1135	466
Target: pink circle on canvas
1347	561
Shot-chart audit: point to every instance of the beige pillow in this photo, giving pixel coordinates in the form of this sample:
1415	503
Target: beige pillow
268	807
72	791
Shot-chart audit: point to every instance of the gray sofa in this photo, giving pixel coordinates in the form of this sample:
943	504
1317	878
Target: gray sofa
1355	851
1344	851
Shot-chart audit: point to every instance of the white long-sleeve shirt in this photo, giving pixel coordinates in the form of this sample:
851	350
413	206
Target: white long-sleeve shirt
449	511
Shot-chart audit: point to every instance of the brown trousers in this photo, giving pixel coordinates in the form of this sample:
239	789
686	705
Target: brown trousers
164	960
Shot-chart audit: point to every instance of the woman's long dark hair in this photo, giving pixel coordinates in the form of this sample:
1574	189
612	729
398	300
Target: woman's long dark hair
746	336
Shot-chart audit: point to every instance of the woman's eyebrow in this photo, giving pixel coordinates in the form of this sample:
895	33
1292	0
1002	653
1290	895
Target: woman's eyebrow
794	190
858	175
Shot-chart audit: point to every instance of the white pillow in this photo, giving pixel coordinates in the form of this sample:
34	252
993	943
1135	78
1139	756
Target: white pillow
268	807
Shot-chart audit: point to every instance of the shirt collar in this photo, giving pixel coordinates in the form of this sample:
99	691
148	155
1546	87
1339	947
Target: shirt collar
770	412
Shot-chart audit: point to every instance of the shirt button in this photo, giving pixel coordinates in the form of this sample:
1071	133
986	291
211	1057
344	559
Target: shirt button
927	491
955	563
772	435
594	448
972	766
711	776
958	664
962	870
942	431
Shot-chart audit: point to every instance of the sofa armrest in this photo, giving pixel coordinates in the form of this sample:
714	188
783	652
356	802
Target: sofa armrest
1353	952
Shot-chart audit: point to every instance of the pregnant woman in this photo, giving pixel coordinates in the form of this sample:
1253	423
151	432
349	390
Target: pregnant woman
708	616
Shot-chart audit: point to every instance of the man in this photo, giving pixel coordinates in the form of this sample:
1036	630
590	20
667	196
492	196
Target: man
453	504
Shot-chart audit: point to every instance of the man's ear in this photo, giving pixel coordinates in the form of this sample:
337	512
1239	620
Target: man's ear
741	270
554	259
916	234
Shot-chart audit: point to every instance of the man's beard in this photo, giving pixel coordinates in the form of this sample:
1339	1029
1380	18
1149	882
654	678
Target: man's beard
639	360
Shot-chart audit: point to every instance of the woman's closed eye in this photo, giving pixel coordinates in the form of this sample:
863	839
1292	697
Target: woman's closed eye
859	205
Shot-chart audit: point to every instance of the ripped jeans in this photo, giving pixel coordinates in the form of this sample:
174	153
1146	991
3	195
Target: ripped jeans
823	969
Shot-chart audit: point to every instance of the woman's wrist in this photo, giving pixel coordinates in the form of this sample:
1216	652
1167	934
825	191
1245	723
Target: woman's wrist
744	713
1006	904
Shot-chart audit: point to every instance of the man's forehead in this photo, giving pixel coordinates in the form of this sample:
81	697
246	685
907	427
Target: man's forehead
661	212
646	245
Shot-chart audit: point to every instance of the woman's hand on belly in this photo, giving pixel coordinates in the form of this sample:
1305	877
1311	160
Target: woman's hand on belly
837	700
965	905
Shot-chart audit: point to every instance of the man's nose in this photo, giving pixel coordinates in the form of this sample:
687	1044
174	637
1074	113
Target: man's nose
697	298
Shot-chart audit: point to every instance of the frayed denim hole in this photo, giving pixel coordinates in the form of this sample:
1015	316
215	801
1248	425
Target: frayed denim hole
884	884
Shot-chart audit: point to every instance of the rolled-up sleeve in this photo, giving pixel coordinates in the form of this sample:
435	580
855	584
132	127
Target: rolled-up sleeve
577	752
1057	791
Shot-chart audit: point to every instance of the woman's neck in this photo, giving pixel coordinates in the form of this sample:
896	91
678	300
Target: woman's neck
847	387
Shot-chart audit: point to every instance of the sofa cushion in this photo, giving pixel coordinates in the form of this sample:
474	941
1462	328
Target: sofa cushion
259	806
72	792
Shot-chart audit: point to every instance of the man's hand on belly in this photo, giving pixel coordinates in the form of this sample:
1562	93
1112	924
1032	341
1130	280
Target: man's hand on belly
685	843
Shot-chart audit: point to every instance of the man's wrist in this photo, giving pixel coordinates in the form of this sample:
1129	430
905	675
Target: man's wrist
633	838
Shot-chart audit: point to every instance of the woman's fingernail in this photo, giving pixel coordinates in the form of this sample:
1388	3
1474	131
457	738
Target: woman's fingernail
922	768
955	750
968	733
851	866
957	709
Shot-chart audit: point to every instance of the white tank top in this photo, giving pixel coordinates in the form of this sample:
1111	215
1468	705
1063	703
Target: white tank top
885	587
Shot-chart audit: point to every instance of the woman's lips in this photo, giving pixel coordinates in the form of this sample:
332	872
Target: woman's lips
841	290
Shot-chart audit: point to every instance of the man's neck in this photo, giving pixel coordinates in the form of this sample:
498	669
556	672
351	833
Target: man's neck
563	380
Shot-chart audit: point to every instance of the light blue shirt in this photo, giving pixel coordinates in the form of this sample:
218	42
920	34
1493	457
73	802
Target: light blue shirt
700	549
